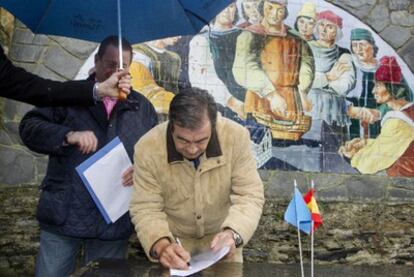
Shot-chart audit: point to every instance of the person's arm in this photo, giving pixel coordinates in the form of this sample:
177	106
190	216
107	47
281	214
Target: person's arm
147	213
307	69
247	70
147	203
344	79
247	196
382	152
41	131
20	85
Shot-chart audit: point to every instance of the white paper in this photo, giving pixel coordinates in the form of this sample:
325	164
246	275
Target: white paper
104	177
201	261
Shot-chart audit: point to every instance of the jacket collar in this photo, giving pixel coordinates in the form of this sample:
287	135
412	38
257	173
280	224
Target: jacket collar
213	147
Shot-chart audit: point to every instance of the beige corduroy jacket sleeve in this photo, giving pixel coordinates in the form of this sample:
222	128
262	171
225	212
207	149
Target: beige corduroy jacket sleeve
147	205
247	196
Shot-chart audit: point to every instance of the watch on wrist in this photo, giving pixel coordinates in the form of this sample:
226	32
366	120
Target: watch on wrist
95	93
238	241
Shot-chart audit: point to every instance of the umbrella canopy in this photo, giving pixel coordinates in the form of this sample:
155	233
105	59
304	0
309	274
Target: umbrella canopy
93	20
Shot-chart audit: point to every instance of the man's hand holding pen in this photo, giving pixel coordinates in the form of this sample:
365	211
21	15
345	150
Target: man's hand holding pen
172	254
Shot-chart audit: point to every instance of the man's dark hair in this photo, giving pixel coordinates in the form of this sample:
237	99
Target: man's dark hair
261	9
374	46
189	107
297	19
236	17
113	40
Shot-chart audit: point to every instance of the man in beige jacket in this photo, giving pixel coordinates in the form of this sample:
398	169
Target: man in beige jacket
195	179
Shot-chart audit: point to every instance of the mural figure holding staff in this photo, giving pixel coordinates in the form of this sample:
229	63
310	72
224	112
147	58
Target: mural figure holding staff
364	52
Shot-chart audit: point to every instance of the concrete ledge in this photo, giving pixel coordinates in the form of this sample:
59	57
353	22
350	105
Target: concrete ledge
340	187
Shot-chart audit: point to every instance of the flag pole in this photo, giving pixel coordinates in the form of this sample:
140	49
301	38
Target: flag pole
300	244
312	234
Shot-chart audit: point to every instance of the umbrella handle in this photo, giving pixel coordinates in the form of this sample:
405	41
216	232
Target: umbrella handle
122	96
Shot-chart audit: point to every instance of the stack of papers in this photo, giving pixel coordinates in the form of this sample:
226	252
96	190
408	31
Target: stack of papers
201	261
101	174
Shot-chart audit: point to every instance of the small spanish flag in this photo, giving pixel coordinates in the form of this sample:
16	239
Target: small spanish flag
313	208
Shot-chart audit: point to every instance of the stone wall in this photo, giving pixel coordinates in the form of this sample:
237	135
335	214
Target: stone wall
367	219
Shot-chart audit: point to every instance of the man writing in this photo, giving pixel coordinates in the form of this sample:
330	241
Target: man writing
195	179
17	84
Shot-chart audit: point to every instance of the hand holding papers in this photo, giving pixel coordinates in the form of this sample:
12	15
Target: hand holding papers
201	261
101	174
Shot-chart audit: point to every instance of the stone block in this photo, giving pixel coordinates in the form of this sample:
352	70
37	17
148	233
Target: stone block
407	53
79	48
379	18
280	185
19	24
402	18
367	188
12	128
24	36
4	138
61	62
45	72
355	4
397	194
14	110
333	193
41	40
398	5
22	109
9	110
30	67
25	53
18	164
396	36
361	12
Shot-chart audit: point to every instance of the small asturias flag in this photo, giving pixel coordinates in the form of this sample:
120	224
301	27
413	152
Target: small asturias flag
313	208
297	213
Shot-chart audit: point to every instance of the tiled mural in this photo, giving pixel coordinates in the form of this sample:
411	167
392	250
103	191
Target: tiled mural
318	90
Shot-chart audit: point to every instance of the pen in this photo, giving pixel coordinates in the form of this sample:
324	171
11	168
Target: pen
177	240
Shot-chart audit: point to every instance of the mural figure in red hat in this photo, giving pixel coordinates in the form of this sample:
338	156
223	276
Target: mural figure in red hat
334	79
393	150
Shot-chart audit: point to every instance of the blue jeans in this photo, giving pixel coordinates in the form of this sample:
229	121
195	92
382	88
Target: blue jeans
58	254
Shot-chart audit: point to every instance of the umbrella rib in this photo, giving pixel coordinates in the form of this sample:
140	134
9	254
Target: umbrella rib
194	14
43	16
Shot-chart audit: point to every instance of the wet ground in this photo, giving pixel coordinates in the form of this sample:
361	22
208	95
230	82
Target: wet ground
142	268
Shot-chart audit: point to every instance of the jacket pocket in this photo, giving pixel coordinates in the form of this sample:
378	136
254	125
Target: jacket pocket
54	202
